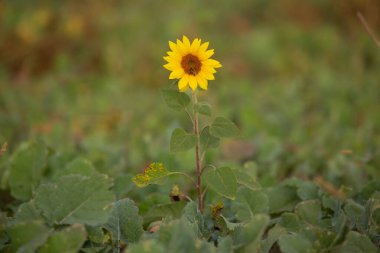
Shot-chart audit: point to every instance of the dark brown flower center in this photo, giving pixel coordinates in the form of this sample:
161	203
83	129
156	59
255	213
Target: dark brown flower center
191	64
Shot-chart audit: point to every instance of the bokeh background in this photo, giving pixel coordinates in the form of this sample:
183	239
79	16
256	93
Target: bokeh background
300	78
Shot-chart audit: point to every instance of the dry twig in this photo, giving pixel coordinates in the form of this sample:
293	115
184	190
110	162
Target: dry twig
368	28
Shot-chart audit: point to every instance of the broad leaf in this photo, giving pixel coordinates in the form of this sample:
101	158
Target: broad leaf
295	243
222	180
26	169
125	223
282	198
310	211
358	243
249	202
75	199
68	240
249	236
27	236
78	166
207	140
273	235
175	99
203	108
222	127
181	140
28	212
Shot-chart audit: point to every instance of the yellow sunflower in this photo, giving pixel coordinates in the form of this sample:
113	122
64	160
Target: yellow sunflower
191	63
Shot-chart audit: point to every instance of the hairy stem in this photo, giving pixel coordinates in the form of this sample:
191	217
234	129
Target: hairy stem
197	155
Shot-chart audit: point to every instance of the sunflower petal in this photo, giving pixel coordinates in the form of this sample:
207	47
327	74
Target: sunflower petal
186	43
193	82
195	45
212	63
183	83
203	83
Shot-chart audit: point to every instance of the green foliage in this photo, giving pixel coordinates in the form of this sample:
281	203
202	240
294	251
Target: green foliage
306	102
27	236
125	223
203	108
68	240
75	199
207	140
182	141
222	180
27	168
175	99
222	128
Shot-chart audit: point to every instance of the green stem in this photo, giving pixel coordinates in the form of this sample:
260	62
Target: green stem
197	155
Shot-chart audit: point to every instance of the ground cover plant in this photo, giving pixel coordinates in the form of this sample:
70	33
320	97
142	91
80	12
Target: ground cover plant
267	143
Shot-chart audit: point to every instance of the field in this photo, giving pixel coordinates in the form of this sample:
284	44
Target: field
292	119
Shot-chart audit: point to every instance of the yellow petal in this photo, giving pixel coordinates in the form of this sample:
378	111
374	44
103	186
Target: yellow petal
208	69
207	75
183	82
204	56
172	46
186	43
212	63
181	47
192	82
202	82
176	74
203	47
195	45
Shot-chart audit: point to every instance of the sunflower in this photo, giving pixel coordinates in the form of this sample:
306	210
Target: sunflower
191	63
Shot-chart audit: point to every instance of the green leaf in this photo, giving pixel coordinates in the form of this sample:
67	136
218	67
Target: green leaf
273	235
295	243
147	246
26	169
27	236
222	180
78	166
249	236
68	240
151	175
28	212
173	209
193	215
358	243
182	141
207	140
247	177
290	221
175	99
222	127
309	211
122	185
249	202
282	198
75	199
95	233
183	238
125	223
203	108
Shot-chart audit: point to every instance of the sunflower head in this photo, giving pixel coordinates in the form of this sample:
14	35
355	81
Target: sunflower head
191	63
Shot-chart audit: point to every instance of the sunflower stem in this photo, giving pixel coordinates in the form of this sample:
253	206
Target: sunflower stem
197	155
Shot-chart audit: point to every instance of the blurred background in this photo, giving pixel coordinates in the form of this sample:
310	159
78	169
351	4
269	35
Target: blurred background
300	78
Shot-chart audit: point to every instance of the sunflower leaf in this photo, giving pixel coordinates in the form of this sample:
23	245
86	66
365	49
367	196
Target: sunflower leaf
224	128
203	108
175	99
222	180
181	140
